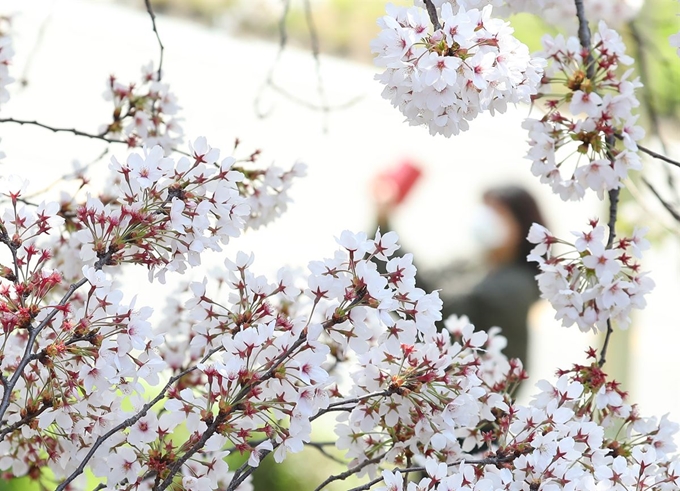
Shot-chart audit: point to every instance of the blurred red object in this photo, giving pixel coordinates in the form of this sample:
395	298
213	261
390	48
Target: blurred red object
393	185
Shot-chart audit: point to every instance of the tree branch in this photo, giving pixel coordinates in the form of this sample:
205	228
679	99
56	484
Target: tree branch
26	358
651	153
130	421
314	41
350	472
335	405
158	37
584	37
62	130
432	12
674	213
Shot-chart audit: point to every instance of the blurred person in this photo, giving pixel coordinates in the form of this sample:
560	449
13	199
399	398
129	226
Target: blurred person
500	290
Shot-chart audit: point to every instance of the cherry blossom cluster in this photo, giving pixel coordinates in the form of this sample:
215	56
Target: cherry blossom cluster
266	191
587	138
426	394
577	434
588	284
162	213
144	114
445	78
558	12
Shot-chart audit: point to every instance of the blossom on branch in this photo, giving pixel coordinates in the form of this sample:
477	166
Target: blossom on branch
590	285
587	138
444	78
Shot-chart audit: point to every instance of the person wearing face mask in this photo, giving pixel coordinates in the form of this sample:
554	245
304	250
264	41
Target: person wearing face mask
501	291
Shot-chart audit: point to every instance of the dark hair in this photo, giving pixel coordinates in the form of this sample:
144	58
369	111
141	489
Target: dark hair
524	209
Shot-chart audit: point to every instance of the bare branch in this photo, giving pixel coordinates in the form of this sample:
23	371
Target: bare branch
432	12
62	130
351	471
158	37
325	107
651	153
337	406
605	345
324	452
314	40
76	132
674	213
584	37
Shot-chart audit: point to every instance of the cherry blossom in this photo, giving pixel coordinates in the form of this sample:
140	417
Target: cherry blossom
576	150
593	285
445	78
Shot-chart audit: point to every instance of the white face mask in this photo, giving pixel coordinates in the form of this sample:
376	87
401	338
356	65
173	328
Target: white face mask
489	229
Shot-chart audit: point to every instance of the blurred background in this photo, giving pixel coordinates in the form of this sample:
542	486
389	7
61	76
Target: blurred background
312	98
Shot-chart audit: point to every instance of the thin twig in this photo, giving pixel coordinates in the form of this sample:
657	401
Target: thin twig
269	82
613	211
336	406
76	132
324	452
283	41
432	12
605	345
314	41
351	471
316	107
62	130
158	37
130	421
652	153
674	213
648	94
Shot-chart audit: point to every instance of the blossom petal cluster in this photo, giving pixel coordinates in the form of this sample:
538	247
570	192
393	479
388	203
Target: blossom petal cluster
144	114
557	12
588	137
445	78
563	440
589	284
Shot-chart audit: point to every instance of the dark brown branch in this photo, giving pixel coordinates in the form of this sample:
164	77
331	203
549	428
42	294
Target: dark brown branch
584	37
62	130
351	471
613	211
652	153
605	345
432	12
76	132
158	37
339	405
23	421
